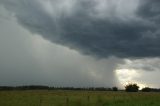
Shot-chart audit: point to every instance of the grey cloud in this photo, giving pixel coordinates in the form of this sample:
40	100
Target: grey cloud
149	9
93	27
145	64
27	59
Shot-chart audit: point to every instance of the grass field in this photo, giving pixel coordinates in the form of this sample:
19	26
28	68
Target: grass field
78	98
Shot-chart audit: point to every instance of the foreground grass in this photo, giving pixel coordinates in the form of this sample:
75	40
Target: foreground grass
77	98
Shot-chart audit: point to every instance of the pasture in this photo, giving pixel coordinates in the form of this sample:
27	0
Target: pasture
78	98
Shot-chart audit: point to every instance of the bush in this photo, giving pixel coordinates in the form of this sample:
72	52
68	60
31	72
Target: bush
146	89
132	88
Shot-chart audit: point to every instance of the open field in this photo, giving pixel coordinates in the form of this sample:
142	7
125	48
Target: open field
77	98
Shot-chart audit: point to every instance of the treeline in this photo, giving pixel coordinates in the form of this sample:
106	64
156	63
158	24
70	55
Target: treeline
29	87
133	87
129	88
41	87
147	89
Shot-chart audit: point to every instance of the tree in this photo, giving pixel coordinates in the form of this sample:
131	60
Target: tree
114	88
132	87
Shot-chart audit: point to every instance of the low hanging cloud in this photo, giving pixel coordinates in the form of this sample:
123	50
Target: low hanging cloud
145	64
144	71
27	60
102	28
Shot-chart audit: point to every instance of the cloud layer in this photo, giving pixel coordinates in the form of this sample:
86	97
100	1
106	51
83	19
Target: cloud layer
27	58
99	28
102	28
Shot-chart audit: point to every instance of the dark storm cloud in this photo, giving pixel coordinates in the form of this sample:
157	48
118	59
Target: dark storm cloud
101	28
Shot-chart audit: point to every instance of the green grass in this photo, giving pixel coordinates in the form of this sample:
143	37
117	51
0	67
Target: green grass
77	98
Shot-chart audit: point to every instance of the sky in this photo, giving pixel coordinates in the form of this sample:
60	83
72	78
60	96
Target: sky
80	43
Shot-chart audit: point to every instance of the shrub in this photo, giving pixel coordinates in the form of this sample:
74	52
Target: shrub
132	87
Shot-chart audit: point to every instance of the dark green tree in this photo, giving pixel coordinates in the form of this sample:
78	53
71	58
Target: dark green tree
114	89
132	87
